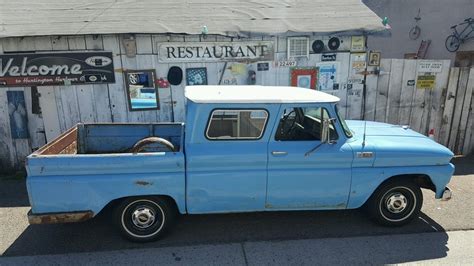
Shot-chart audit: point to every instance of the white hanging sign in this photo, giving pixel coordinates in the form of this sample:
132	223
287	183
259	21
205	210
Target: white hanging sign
169	52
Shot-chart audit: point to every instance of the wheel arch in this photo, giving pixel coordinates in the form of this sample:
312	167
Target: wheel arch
113	203
421	180
365	181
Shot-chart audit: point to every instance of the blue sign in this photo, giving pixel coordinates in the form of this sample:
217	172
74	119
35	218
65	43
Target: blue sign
18	114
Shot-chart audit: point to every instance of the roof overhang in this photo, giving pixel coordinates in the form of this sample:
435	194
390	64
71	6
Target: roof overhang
230	18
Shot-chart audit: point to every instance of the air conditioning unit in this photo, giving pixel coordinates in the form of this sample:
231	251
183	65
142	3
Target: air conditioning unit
298	47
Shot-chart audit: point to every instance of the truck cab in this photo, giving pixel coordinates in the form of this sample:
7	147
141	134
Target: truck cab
242	149
260	140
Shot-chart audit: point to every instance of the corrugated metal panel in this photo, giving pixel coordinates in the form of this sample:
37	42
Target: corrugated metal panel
230	17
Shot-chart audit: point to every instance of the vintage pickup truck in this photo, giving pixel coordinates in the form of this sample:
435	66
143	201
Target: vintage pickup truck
242	149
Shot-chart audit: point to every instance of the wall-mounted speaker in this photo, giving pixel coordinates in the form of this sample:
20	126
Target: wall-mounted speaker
318	46
334	43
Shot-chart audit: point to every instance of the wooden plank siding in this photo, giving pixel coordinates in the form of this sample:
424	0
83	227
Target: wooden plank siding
447	117
463	134
438	99
14	151
394	91
418	114
389	94
468	146
370	98
407	91
459	103
382	90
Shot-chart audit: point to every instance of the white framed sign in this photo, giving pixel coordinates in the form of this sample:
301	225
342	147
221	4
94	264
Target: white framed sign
328	75
170	52
357	43
430	66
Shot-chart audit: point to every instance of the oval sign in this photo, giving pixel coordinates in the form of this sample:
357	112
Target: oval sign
98	61
175	75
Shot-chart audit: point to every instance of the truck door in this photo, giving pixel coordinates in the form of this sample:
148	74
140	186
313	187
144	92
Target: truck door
300	177
227	158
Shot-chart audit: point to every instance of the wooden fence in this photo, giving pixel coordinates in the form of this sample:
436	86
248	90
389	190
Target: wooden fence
446	110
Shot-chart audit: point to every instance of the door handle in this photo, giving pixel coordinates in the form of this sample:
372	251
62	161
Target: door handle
279	153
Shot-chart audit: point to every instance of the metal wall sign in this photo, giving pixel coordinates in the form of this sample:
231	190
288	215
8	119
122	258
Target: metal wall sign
430	66
425	82
328	57
357	43
36	69
263	66
215	51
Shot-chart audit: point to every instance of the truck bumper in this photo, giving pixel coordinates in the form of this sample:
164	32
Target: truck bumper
447	194
63	217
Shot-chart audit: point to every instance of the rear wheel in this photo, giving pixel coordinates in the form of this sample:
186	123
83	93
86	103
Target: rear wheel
144	219
395	203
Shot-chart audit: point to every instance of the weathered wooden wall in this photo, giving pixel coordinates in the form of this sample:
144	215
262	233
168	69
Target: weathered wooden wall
64	106
387	97
447	109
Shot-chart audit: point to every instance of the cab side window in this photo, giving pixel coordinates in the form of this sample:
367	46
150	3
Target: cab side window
303	124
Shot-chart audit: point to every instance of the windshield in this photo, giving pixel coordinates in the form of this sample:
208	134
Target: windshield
347	130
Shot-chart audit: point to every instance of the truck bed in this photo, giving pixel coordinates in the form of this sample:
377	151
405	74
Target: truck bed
90	165
109	138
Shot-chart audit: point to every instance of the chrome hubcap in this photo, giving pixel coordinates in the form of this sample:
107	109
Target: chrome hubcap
396	203
143	217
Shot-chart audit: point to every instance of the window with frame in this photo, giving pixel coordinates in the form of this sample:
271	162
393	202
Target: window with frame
303	124
298	47
236	124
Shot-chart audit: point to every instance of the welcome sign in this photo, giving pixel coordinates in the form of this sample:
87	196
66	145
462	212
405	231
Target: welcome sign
36	69
169	52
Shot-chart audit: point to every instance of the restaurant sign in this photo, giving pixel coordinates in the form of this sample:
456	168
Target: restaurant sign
36	69
169	52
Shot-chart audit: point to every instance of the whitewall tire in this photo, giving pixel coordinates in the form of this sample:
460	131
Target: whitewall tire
395	203
144	219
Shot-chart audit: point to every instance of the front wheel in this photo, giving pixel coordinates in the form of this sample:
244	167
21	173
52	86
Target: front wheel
144	219
414	32
452	43
395	203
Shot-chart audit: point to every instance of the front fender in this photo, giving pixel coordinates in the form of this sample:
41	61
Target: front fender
366	180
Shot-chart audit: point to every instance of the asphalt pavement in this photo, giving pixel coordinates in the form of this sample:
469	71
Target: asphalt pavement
442	248
277	235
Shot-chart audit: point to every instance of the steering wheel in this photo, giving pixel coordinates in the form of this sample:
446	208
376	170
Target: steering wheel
143	143
290	128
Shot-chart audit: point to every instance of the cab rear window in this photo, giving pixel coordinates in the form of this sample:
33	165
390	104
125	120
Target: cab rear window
236	124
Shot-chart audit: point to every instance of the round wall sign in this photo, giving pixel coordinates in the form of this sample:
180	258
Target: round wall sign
175	75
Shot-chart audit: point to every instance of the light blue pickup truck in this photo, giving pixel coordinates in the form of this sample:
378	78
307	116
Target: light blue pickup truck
242	149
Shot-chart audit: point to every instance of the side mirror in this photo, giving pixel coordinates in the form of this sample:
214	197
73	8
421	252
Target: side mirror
325	132
325	135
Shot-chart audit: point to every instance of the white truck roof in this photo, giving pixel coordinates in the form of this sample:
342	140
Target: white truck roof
256	94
